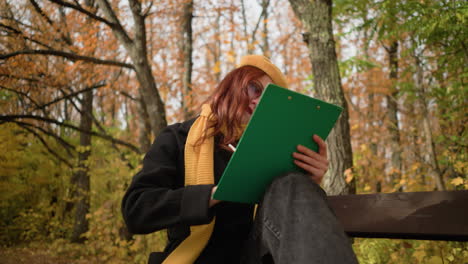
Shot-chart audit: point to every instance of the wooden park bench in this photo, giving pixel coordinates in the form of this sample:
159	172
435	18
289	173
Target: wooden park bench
441	215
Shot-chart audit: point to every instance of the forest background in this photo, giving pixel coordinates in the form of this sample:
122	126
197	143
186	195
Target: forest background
86	85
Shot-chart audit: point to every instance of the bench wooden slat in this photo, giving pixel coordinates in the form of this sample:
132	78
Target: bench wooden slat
412	215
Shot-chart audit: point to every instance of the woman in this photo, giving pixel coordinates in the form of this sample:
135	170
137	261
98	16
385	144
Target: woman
182	168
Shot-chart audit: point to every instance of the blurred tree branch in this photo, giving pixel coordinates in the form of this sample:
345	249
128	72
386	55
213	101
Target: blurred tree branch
13	118
67	55
67	96
44	143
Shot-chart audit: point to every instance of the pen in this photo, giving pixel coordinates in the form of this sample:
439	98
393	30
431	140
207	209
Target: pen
232	147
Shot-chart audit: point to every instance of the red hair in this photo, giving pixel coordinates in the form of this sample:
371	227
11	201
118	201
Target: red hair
230	102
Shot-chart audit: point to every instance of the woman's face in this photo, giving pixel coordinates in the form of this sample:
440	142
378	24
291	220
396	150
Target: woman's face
254	93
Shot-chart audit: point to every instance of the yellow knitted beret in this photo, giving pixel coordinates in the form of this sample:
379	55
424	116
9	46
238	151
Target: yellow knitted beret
264	64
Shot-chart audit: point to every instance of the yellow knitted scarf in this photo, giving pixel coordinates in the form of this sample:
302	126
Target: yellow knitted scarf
198	170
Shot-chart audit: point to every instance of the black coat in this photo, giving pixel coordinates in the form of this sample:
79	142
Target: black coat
157	199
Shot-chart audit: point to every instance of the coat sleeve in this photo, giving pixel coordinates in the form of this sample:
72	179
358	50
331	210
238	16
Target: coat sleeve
157	199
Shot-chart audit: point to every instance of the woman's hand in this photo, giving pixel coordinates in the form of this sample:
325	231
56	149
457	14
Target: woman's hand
315	164
213	201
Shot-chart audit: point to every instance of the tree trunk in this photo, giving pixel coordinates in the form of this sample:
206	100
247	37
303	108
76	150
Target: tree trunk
244	27
187	98
80	179
143	125
126	110
316	17
217	45
137	51
265	46
100	105
370	125
392	115
427	131
233	24
113	110
153	102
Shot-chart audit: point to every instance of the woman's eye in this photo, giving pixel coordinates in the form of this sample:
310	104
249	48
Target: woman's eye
254	90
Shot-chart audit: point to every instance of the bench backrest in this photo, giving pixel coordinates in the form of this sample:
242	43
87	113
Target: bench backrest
415	215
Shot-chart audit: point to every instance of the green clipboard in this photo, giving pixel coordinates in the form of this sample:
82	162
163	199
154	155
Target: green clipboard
282	120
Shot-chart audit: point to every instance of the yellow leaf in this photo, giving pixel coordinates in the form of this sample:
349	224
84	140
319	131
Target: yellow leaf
348	175
419	255
217	68
363	147
231	56
367	188
457	181
460	166
415	166
435	260
451	258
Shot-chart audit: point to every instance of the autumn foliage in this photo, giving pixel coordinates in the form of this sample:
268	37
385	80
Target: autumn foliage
86	85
